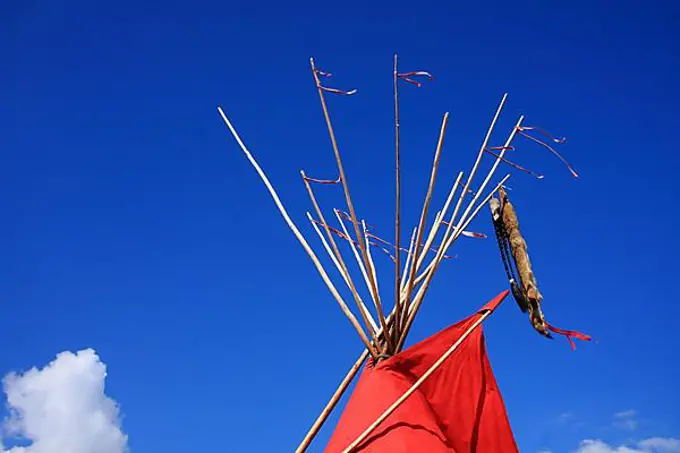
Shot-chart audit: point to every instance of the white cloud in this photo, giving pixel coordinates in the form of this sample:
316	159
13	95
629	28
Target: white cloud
62	408
650	445
661	444
626	420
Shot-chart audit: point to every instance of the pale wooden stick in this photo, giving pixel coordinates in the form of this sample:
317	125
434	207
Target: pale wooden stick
356	253
426	205
418	300
405	305
323	416
417	384
397	215
480	154
450	230
435	228
408	258
348	198
301	238
345	276
338	255
370	257
489	175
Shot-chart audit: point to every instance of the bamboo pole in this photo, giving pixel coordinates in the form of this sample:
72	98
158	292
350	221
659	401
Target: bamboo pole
417	384
348	198
340	261
324	276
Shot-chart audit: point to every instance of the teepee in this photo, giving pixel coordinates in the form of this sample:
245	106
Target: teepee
439	395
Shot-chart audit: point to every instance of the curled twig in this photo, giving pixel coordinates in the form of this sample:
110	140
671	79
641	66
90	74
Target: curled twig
406	77
521	130
512	164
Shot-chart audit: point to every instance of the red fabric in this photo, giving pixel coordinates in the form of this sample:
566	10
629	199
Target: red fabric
458	409
569	334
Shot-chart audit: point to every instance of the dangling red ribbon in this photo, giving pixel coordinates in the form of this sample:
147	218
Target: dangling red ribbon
569	334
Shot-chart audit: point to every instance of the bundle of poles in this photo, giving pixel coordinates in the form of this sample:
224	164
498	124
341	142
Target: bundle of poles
384	333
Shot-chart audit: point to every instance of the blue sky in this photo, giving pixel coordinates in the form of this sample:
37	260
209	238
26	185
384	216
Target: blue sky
133	224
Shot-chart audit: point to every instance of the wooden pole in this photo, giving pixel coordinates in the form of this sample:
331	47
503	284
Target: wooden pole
345	276
348	199
423	214
321	419
341	262
319	267
332	403
417	384
397	214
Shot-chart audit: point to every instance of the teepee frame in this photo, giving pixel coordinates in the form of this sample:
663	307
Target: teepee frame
386	336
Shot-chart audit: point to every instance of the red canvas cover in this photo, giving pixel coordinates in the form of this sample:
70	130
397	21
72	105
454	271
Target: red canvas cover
458	409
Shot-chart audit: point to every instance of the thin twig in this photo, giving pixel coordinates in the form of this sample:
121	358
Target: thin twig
348	198
301	238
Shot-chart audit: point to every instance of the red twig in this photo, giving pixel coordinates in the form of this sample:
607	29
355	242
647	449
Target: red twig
373	236
406	77
470	234
332	90
347	217
347	238
512	164
521	130
322	181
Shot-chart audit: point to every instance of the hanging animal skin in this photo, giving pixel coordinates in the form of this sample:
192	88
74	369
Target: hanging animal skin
511	243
